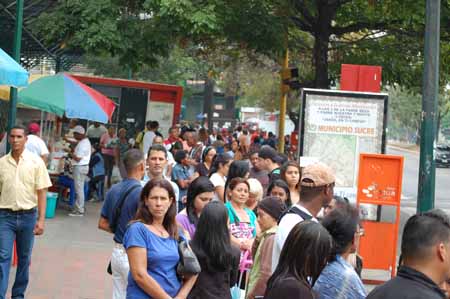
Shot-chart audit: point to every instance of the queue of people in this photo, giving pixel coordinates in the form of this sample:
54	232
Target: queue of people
249	216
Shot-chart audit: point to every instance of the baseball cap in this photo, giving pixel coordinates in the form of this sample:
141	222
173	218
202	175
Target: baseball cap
317	175
34	128
79	130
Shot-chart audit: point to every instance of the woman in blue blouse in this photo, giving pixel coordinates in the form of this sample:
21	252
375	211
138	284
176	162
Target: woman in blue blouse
152	247
339	279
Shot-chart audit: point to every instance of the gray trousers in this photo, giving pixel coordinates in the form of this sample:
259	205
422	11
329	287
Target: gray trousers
79	178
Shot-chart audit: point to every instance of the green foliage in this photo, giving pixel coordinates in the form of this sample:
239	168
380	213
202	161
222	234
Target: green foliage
223	36
404	114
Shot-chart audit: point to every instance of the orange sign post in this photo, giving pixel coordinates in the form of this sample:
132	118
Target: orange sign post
379	184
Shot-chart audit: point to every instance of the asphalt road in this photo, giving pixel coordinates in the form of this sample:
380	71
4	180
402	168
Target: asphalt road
410	182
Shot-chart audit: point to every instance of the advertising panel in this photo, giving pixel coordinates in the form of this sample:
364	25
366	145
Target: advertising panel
336	126
161	112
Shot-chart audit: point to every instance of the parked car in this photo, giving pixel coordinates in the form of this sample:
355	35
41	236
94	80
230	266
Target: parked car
442	155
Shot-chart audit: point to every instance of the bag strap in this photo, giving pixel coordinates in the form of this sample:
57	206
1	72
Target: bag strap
295	210
118	209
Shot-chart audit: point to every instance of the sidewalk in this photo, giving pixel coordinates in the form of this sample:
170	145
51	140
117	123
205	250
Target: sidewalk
70	260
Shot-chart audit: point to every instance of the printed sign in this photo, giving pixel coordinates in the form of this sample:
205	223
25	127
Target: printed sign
343	117
336	126
161	112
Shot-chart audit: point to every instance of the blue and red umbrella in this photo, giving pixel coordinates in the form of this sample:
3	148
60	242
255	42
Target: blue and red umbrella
63	94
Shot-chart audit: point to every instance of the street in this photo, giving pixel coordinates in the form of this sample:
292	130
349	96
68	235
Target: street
410	181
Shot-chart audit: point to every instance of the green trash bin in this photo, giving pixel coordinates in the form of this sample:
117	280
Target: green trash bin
52	198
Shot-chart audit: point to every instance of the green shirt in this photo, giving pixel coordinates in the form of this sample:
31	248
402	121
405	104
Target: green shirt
257	272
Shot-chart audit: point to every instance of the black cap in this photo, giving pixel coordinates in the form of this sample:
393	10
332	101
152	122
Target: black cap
273	206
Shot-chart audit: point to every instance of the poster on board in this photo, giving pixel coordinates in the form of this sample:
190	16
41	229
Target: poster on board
336	126
162	112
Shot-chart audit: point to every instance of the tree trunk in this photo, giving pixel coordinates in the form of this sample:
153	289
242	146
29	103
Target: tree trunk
322	32
208	98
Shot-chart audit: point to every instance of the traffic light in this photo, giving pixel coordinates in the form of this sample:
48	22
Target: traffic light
289	78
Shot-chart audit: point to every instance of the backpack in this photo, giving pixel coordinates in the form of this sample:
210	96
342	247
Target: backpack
295	210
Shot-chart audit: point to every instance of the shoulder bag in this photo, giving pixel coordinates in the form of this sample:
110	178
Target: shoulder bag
188	264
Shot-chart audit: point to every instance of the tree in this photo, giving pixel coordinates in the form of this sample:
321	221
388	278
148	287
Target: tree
324	33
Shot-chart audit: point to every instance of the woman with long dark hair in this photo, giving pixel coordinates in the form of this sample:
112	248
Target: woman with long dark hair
238	169
151	242
290	173
199	194
280	189
218	259
303	257
204	166
218	175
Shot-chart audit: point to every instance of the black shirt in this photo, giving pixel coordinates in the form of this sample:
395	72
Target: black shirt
289	288
408	284
201	169
213	284
274	175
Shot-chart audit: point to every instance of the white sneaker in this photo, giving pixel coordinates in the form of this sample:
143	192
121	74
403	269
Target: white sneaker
76	214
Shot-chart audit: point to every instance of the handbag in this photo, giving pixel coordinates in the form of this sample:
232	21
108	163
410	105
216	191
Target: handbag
188	264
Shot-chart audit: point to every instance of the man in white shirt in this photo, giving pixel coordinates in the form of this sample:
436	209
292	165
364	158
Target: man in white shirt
149	135
170	160
95	132
80	162
35	144
156	162
317	185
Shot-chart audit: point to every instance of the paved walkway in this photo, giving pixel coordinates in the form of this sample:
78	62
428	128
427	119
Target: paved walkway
69	261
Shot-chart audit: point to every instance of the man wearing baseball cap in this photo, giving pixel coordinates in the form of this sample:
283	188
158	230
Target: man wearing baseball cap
80	162
317	185
35	144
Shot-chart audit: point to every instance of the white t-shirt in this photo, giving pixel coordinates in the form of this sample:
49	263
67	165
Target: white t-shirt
218	181
285	226
148	141
83	150
96	132
36	145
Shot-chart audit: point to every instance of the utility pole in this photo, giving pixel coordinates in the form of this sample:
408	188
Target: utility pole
16	56
427	168
283	100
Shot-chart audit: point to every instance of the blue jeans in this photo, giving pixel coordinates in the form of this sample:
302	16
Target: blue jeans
19	227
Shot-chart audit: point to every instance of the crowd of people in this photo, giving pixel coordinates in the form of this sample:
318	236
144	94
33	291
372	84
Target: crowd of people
258	225
256	222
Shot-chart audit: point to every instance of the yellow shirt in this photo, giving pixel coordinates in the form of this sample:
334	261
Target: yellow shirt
19	182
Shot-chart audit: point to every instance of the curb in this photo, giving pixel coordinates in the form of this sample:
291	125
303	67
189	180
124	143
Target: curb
403	149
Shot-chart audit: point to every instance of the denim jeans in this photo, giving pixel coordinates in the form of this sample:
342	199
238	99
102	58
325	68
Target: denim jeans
19	227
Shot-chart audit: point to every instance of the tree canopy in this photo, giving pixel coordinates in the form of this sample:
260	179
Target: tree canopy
321	35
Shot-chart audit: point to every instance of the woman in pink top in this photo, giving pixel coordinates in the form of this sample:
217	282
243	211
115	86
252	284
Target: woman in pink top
108	143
